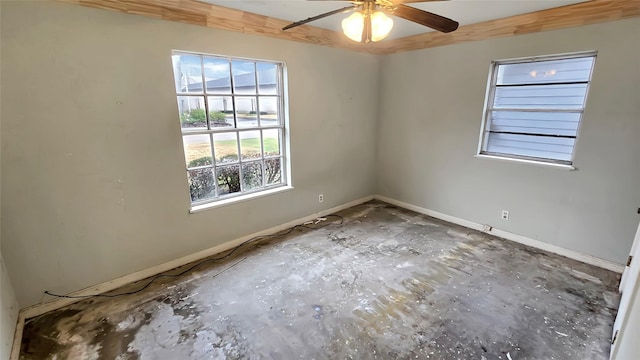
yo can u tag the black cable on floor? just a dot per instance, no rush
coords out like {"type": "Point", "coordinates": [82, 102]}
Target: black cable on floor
{"type": "Point", "coordinates": [230, 252]}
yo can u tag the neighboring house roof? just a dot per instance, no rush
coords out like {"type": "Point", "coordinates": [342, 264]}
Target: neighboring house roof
{"type": "Point", "coordinates": [265, 78]}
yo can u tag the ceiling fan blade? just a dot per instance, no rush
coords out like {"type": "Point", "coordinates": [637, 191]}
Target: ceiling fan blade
{"type": "Point", "coordinates": [317, 17]}
{"type": "Point", "coordinates": [425, 18]}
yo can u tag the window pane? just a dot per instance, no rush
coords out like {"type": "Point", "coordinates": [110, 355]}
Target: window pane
{"type": "Point", "coordinates": [226, 147]}
{"type": "Point", "coordinates": [532, 146]}
{"type": "Point", "coordinates": [549, 123]}
{"type": "Point", "coordinates": [268, 111]}
{"type": "Point", "coordinates": [541, 97]}
{"type": "Point", "coordinates": [197, 150]}
{"type": "Point", "coordinates": [271, 142]}
{"type": "Point", "coordinates": [224, 106]}
{"type": "Point", "coordinates": [217, 75]}
{"type": "Point", "coordinates": [267, 78]}
{"type": "Point", "coordinates": [251, 175]}
{"type": "Point", "coordinates": [273, 171]}
{"type": "Point", "coordinates": [567, 70]}
{"type": "Point", "coordinates": [201, 184]}
{"type": "Point", "coordinates": [246, 112]}
{"type": "Point", "coordinates": [244, 77]}
{"type": "Point", "coordinates": [228, 179]}
{"type": "Point", "coordinates": [250, 144]}
{"type": "Point", "coordinates": [220, 111]}
{"type": "Point", "coordinates": [187, 70]}
{"type": "Point", "coordinates": [192, 114]}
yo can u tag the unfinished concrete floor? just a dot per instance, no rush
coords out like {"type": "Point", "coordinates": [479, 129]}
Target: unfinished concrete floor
{"type": "Point", "coordinates": [387, 284]}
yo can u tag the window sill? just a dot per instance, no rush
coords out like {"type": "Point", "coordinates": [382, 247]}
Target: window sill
{"type": "Point", "coordinates": [532, 162]}
{"type": "Point", "coordinates": [238, 199]}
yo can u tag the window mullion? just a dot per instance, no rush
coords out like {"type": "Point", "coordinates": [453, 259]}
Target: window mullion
{"type": "Point", "coordinates": [213, 164]}
{"type": "Point", "coordinates": [239, 162]}
{"type": "Point", "coordinates": [543, 84]}
{"type": "Point", "coordinates": [538, 110]}
{"type": "Point", "coordinates": [190, 94]}
{"type": "Point", "coordinates": [204, 91]}
{"type": "Point", "coordinates": [206, 131]}
{"type": "Point", "coordinates": [533, 134]}
{"type": "Point", "coordinates": [233, 94]}
{"type": "Point", "coordinates": [255, 76]}
{"type": "Point", "coordinates": [262, 164]}
{"type": "Point", "coordinates": [486, 126]}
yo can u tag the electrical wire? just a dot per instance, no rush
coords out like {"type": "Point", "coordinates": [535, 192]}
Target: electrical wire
{"type": "Point", "coordinates": [230, 252]}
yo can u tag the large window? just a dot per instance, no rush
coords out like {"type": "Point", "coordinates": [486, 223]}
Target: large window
{"type": "Point", "coordinates": [231, 116]}
{"type": "Point", "coordinates": [534, 107]}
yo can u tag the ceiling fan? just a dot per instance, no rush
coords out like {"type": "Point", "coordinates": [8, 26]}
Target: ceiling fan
{"type": "Point", "coordinates": [370, 22]}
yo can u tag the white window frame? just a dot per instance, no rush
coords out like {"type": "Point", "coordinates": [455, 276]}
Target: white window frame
{"type": "Point", "coordinates": [282, 126]}
{"type": "Point", "coordinates": [490, 99]}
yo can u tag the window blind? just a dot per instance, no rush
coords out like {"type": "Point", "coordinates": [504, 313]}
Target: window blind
{"type": "Point", "coordinates": [534, 107]}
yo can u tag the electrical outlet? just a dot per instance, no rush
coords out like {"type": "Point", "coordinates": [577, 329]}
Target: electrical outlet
{"type": "Point", "coordinates": [486, 228]}
{"type": "Point", "coordinates": [505, 215]}
{"type": "Point", "coordinates": [320, 198]}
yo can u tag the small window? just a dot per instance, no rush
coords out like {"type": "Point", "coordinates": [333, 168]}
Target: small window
{"type": "Point", "coordinates": [534, 106]}
{"type": "Point", "coordinates": [231, 112]}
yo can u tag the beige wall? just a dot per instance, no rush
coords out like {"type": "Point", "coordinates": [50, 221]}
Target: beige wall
{"type": "Point", "coordinates": [9, 308]}
{"type": "Point", "coordinates": [93, 178]}
{"type": "Point", "coordinates": [430, 115]}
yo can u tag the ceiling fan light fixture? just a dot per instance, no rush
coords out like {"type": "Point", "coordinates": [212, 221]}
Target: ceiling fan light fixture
{"type": "Point", "coordinates": [353, 26]}
{"type": "Point", "coordinates": [381, 26]}
{"type": "Point", "coordinates": [367, 23]}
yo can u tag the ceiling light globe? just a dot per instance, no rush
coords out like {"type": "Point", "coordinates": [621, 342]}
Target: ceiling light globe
{"type": "Point", "coordinates": [381, 26]}
{"type": "Point", "coordinates": [353, 26]}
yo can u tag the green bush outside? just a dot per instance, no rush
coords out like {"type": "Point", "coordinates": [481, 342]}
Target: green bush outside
{"type": "Point", "coordinates": [197, 116]}
{"type": "Point", "coordinates": [206, 160]}
{"type": "Point", "coordinates": [217, 116]}
{"type": "Point", "coordinates": [202, 182]}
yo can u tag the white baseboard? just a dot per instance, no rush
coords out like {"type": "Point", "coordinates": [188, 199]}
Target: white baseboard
{"type": "Point", "coordinates": [42, 308]}
{"type": "Point", "coordinates": [588, 259]}
{"type": "Point", "coordinates": [39, 309]}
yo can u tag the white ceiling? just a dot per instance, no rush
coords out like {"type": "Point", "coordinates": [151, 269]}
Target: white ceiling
{"type": "Point", "coordinates": [464, 11]}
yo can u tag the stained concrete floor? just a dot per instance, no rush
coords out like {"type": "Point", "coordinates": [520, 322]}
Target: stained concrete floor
{"type": "Point", "coordinates": [388, 283]}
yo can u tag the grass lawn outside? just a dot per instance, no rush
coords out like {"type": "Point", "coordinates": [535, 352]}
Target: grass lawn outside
{"type": "Point", "coordinates": [223, 148]}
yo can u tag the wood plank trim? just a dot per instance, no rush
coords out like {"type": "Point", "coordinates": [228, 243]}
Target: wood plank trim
{"type": "Point", "coordinates": [219, 17]}
{"type": "Point", "coordinates": [587, 13]}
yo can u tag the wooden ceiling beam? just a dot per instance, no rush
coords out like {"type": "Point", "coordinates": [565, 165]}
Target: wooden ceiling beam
{"type": "Point", "coordinates": [219, 17]}
{"type": "Point", "coordinates": [586, 13]}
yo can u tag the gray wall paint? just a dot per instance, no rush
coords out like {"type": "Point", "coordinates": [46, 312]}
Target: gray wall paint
{"type": "Point", "coordinates": [9, 308]}
{"type": "Point", "coordinates": [93, 178]}
{"type": "Point", "coordinates": [430, 117]}
{"type": "Point", "coordinates": [92, 165]}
